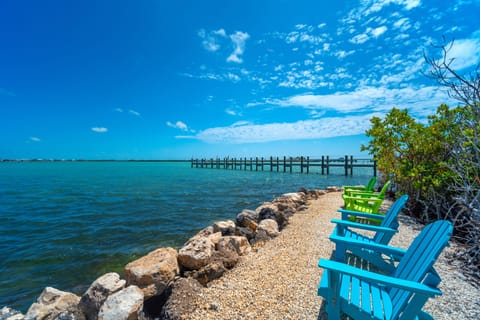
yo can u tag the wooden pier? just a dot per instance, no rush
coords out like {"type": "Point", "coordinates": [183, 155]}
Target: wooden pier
{"type": "Point", "coordinates": [321, 165]}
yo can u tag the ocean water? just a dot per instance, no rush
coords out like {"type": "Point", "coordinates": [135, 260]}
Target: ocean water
{"type": "Point", "coordinates": [63, 224]}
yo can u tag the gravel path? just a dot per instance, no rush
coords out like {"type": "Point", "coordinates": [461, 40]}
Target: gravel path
{"type": "Point", "coordinates": [280, 280]}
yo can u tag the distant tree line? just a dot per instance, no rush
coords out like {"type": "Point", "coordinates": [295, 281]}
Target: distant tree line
{"type": "Point", "coordinates": [438, 163]}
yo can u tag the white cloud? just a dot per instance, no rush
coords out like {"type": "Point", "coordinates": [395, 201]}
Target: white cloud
{"type": "Point", "coordinates": [360, 38]}
{"type": "Point", "coordinates": [99, 129]}
{"type": "Point", "coordinates": [378, 5]}
{"type": "Point", "coordinates": [307, 129]}
{"type": "Point", "coordinates": [210, 40]}
{"type": "Point", "coordinates": [180, 125]}
{"type": "Point", "coordinates": [403, 24]}
{"type": "Point", "coordinates": [466, 53]}
{"type": "Point", "coordinates": [238, 38]}
{"type": "Point", "coordinates": [379, 31]}
{"type": "Point", "coordinates": [342, 53]}
{"type": "Point", "coordinates": [35, 139]}
{"type": "Point", "coordinates": [232, 112]}
{"type": "Point", "coordinates": [119, 109]}
{"type": "Point", "coordinates": [370, 32]}
{"type": "Point", "coordinates": [379, 99]}
{"type": "Point", "coordinates": [135, 113]}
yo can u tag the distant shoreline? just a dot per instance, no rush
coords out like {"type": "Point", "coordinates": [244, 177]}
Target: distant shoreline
{"type": "Point", "coordinates": [87, 160]}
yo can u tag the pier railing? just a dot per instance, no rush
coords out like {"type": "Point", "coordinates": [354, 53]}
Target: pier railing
{"type": "Point", "coordinates": [321, 165]}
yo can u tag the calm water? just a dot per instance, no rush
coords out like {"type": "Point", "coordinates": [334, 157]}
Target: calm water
{"type": "Point", "coordinates": [65, 224]}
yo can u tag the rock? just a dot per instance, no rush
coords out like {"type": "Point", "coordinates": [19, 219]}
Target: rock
{"type": "Point", "coordinates": [98, 292]}
{"type": "Point", "coordinates": [180, 304]}
{"type": "Point", "coordinates": [215, 237]}
{"type": "Point", "coordinates": [297, 197]}
{"type": "Point", "coordinates": [245, 232]}
{"type": "Point", "coordinates": [266, 211]}
{"type": "Point", "coordinates": [7, 313]}
{"type": "Point", "coordinates": [211, 271]}
{"type": "Point", "coordinates": [333, 189]}
{"type": "Point", "coordinates": [225, 227]}
{"type": "Point", "coordinates": [201, 234]}
{"type": "Point", "coordinates": [302, 208]}
{"type": "Point", "coordinates": [240, 245]}
{"type": "Point", "coordinates": [248, 219]}
{"type": "Point", "coordinates": [54, 303]}
{"type": "Point", "coordinates": [153, 273]}
{"type": "Point", "coordinates": [196, 254]}
{"type": "Point", "coordinates": [267, 229]}
{"type": "Point", "coordinates": [271, 211]}
{"type": "Point", "coordinates": [125, 304]}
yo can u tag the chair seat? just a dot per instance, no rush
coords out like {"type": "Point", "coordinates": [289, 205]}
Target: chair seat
{"type": "Point", "coordinates": [362, 296]}
{"type": "Point", "coordinates": [372, 301]}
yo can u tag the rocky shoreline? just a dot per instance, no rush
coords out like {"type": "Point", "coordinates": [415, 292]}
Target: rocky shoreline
{"type": "Point", "coordinates": [157, 285]}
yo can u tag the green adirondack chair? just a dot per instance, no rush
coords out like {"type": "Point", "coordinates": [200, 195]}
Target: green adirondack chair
{"type": "Point", "coordinates": [366, 201]}
{"type": "Point", "coordinates": [344, 231]}
{"type": "Point", "coordinates": [362, 294]}
{"type": "Point", "coordinates": [347, 190]}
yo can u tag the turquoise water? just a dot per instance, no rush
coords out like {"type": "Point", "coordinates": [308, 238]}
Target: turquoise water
{"type": "Point", "coordinates": [63, 224]}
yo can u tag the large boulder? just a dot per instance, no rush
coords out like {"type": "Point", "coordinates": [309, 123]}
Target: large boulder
{"type": "Point", "coordinates": [179, 305]}
{"type": "Point", "coordinates": [239, 245]}
{"type": "Point", "coordinates": [98, 292]}
{"type": "Point", "coordinates": [225, 227]}
{"type": "Point", "coordinates": [154, 272]}
{"type": "Point", "coordinates": [196, 254]}
{"type": "Point", "coordinates": [53, 304]}
{"type": "Point", "coordinates": [125, 304]}
{"type": "Point", "coordinates": [266, 230]}
{"type": "Point", "coordinates": [248, 219]}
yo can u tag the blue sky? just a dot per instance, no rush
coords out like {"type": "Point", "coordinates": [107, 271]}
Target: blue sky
{"type": "Point", "coordinates": [180, 79]}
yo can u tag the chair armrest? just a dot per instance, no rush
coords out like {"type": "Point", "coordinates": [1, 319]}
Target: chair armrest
{"type": "Point", "coordinates": [345, 212]}
{"type": "Point", "coordinates": [362, 226]}
{"type": "Point", "coordinates": [412, 286]}
{"type": "Point", "coordinates": [380, 248]}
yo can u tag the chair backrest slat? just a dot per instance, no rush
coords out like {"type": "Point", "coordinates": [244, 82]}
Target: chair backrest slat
{"type": "Point", "coordinates": [371, 184]}
{"type": "Point", "coordinates": [419, 260]}
{"type": "Point", "coordinates": [390, 220]}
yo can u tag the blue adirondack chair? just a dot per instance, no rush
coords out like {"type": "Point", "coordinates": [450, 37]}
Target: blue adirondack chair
{"type": "Point", "coordinates": [344, 230]}
{"type": "Point", "coordinates": [362, 294]}
{"type": "Point", "coordinates": [347, 190]}
{"type": "Point", "coordinates": [368, 202]}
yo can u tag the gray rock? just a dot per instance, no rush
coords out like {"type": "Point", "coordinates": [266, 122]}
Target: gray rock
{"type": "Point", "coordinates": [271, 211]}
{"type": "Point", "coordinates": [247, 219]}
{"type": "Point", "coordinates": [97, 293]}
{"type": "Point", "coordinates": [225, 227]}
{"type": "Point", "coordinates": [239, 245]}
{"type": "Point", "coordinates": [125, 304]}
{"type": "Point", "coordinates": [245, 232]}
{"type": "Point", "coordinates": [154, 272]}
{"type": "Point", "coordinates": [266, 230]}
{"type": "Point", "coordinates": [53, 303]}
{"type": "Point", "coordinates": [196, 254]}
